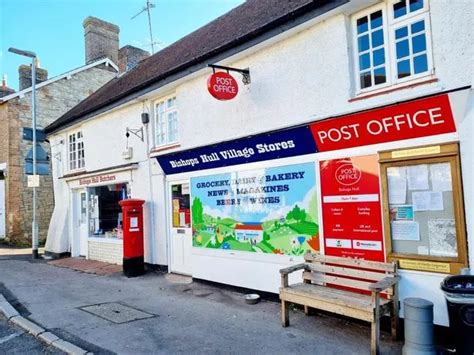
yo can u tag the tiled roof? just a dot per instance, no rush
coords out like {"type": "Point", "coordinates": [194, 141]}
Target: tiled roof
{"type": "Point", "coordinates": [236, 27]}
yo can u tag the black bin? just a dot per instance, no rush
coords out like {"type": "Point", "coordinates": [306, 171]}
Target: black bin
{"type": "Point", "coordinates": [459, 293]}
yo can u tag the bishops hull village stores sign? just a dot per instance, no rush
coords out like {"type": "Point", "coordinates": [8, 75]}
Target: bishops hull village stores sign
{"type": "Point", "coordinates": [360, 188]}
{"type": "Point", "coordinates": [419, 118]}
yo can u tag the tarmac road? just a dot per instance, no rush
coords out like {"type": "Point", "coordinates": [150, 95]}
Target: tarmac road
{"type": "Point", "coordinates": [14, 340]}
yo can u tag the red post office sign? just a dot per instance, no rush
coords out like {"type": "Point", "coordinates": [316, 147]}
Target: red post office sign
{"type": "Point", "coordinates": [413, 119]}
{"type": "Point", "coordinates": [352, 215]}
{"type": "Point", "coordinates": [222, 86]}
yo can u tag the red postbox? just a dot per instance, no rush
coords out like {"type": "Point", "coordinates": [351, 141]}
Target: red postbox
{"type": "Point", "coordinates": [133, 261]}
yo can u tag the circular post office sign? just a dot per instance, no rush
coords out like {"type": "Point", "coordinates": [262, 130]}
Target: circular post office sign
{"type": "Point", "coordinates": [222, 86]}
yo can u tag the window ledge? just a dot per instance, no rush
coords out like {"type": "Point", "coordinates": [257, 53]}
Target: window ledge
{"type": "Point", "coordinates": [388, 90]}
{"type": "Point", "coordinates": [165, 147]}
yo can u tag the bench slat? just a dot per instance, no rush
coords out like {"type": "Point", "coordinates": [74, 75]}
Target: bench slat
{"type": "Point", "coordinates": [340, 281]}
{"type": "Point", "coordinates": [344, 302]}
{"type": "Point", "coordinates": [344, 271]}
{"type": "Point", "coordinates": [364, 264]}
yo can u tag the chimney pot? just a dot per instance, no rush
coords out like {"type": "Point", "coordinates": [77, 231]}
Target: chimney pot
{"type": "Point", "coordinates": [4, 89]}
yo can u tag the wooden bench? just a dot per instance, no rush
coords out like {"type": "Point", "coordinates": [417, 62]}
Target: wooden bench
{"type": "Point", "coordinates": [334, 284]}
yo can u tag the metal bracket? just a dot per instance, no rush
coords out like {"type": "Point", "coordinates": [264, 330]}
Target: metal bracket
{"type": "Point", "coordinates": [244, 72]}
{"type": "Point", "coordinates": [136, 132]}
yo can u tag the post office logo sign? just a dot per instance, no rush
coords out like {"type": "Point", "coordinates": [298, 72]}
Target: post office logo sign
{"type": "Point", "coordinates": [348, 174]}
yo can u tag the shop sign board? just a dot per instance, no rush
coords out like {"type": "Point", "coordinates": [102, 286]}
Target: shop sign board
{"type": "Point", "coordinates": [222, 86]}
{"type": "Point", "coordinates": [420, 118]}
{"type": "Point", "coordinates": [97, 179]}
{"type": "Point", "coordinates": [407, 120]}
{"type": "Point", "coordinates": [281, 144]}
{"type": "Point", "coordinates": [272, 210]}
{"type": "Point", "coordinates": [352, 215]}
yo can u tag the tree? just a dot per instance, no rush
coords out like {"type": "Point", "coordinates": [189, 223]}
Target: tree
{"type": "Point", "coordinates": [197, 211]}
{"type": "Point", "coordinates": [298, 214]}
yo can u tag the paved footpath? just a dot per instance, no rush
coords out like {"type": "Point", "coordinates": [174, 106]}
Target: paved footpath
{"type": "Point", "coordinates": [102, 314]}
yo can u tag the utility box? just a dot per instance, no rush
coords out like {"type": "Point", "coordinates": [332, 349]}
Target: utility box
{"type": "Point", "coordinates": [133, 251]}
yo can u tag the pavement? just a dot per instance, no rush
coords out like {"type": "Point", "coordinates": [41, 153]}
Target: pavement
{"type": "Point", "coordinates": [163, 313]}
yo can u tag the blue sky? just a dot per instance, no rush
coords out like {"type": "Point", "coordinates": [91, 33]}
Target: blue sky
{"type": "Point", "coordinates": [53, 28]}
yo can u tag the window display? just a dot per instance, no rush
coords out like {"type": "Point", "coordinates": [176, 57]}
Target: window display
{"type": "Point", "coordinates": [105, 214]}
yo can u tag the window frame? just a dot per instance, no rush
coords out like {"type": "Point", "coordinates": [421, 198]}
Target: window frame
{"type": "Point", "coordinates": [390, 24]}
{"type": "Point", "coordinates": [79, 162]}
{"type": "Point", "coordinates": [448, 153]}
{"type": "Point", "coordinates": [156, 122]}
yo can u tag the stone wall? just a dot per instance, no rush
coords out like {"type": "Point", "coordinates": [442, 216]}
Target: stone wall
{"type": "Point", "coordinates": [53, 100]}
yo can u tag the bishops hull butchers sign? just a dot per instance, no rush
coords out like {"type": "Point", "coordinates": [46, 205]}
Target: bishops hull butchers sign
{"type": "Point", "coordinates": [413, 119]}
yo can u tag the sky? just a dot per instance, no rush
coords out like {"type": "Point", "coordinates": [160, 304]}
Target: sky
{"type": "Point", "coordinates": [53, 28]}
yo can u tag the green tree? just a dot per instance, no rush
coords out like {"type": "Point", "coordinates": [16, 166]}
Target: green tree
{"type": "Point", "coordinates": [197, 211]}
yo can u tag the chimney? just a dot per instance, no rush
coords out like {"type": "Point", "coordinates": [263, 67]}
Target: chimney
{"type": "Point", "coordinates": [4, 89]}
{"type": "Point", "coordinates": [101, 40]}
{"type": "Point", "coordinates": [129, 56]}
{"type": "Point", "coordinates": [24, 73]}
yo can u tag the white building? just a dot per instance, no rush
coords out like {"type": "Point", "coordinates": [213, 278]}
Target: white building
{"type": "Point", "coordinates": [370, 81]}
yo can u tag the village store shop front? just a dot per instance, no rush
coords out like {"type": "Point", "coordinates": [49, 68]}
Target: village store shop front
{"type": "Point", "coordinates": [383, 184]}
{"type": "Point", "coordinates": [96, 218]}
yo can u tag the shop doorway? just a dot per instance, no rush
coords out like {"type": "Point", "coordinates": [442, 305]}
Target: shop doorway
{"type": "Point", "coordinates": [80, 223]}
{"type": "Point", "coordinates": [181, 233]}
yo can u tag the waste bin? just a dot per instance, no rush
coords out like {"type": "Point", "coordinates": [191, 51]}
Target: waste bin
{"type": "Point", "coordinates": [459, 293]}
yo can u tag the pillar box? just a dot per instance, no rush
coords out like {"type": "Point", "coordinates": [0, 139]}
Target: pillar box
{"type": "Point", "coordinates": [133, 261]}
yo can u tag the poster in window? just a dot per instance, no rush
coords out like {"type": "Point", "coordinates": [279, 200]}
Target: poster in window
{"type": "Point", "coordinates": [352, 216]}
{"type": "Point", "coordinates": [269, 210]}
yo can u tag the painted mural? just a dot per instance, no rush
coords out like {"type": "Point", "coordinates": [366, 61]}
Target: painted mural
{"type": "Point", "coordinates": [271, 210]}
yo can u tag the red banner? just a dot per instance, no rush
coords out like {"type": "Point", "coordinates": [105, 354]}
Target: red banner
{"type": "Point", "coordinates": [352, 216]}
{"type": "Point", "coordinates": [419, 118]}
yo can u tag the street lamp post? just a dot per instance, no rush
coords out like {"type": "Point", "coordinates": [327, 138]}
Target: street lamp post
{"type": "Point", "coordinates": [34, 227]}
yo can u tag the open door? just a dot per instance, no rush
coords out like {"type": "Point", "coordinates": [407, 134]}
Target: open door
{"type": "Point", "coordinates": [181, 233]}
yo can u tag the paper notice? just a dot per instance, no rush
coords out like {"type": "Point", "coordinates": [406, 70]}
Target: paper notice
{"type": "Point", "coordinates": [441, 177]}
{"type": "Point", "coordinates": [428, 201]}
{"type": "Point", "coordinates": [397, 185]}
{"type": "Point", "coordinates": [405, 230]}
{"type": "Point", "coordinates": [442, 236]}
{"type": "Point", "coordinates": [418, 177]}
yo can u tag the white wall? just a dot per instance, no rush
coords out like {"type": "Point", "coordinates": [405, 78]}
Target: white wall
{"type": "Point", "coordinates": [305, 77]}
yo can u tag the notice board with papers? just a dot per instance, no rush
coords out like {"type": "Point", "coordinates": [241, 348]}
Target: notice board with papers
{"type": "Point", "coordinates": [423, 206]}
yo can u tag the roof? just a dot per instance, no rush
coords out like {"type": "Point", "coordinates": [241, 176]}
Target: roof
{"type": "Point", "coordinates": [237, 27]}
{"type": "Point", "coordinates": [105, 61]}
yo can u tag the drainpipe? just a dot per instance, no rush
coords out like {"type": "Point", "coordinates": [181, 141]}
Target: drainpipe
{"type": "Point", "coordinates": [150, 187]}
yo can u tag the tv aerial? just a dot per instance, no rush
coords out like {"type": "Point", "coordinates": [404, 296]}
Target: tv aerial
{"type": "Point", "coordinates": [147, 8]}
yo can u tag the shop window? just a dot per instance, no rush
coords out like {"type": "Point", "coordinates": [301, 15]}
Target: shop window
{"type": "Point", "coordinates": [166, 121]}
{"type": "Point", "coordinates": [391, 44]}
{"type": "Point", "coordinates": [423, 208]}
{"type": "Point", "coordinates": [76, 151]}
{"type": "Point", "coordinates": [105, 212]}
{"type": "Point", "coordinates": [181, 210]}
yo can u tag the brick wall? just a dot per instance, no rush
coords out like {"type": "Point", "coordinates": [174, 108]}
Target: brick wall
{"type": "Point", "coordinates": [107, 251]}
{"type": "Point", "coordinates": [53, 101]}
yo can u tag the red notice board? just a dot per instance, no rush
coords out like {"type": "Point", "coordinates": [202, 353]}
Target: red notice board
{"type": "Point", "coordinates": [352, 215]}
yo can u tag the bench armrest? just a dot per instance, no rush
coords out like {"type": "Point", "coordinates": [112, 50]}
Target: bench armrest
{"type": "Point", "coordinates": [290, 269]}
{"type": "Point", "coordinates": [384, 283]}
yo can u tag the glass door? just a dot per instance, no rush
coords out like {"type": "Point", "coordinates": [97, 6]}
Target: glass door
{"type": "Point", "coordinates": [181, 233]}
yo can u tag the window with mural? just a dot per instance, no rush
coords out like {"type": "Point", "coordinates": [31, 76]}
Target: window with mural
{"type": "Point", "coordinates": [423, 208]}
{"type": "Point", "coordinates": [391, 43]}
{"type": "Point", "coordinates": [166, 121]}
{"type": "Point", "coordinates": [76, 151]}
{"type": "Point", "coordinates": [269, 210]}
